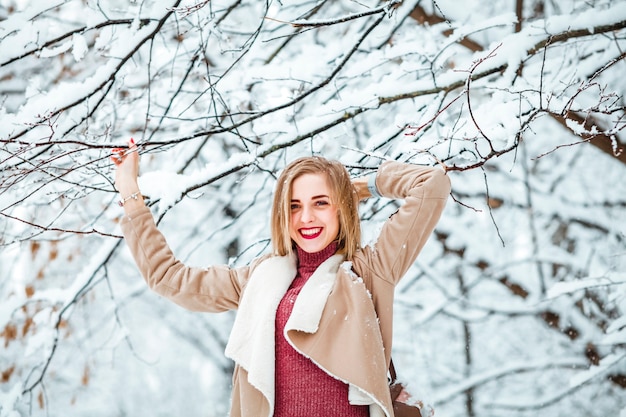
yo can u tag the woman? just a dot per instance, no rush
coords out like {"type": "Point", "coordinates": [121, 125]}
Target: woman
{"type": "Point", "coordinates": [313, 330]}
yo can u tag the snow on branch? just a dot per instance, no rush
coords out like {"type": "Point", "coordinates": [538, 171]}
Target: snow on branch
{"type": "Point", "coordinates": [503, 371]}
{"type": "Point", "coordinates": [562, 288]}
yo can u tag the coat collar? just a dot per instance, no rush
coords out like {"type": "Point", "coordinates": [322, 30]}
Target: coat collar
{"type": "Point", "coordinates": [310, 303]}
{"type": "Point", "coordinates": [251, 341]}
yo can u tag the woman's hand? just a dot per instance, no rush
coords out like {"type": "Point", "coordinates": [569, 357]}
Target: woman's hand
{"type": "Point", "coordinates": [126, 161]}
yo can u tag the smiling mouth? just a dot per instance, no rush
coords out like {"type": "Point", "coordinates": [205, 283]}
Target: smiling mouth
{"type": "Point", "coordinates": [311, 233]}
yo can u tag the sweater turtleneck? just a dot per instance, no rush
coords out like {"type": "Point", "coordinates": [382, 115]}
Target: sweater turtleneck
{"type": "Point", "coordinates": [309, 262]}
{"type": "Point", "coordinates": [302, 388]}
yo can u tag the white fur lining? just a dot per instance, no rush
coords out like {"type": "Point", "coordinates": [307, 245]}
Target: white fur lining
{"type": "Point", "coordinates": [251, 341]}
{"type": "Point", "coordinates": [357, 396]}
{"type": "Point", "coordinates": [308, 308]}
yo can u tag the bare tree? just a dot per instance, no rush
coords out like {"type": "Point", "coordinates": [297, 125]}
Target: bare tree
{"type": "Point", "coordinates": [516, 307]}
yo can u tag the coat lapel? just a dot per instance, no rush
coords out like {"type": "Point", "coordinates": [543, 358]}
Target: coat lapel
{"type": "Point", "coordinates": [309, 305]}
{"type": "Point", "coordinates": [251, 341]}
{"type": "Point", "coordinates": [307, 313]}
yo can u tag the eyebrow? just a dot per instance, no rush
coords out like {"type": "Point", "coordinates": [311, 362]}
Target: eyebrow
{"type": "Point", "coordinates": [315, 197]}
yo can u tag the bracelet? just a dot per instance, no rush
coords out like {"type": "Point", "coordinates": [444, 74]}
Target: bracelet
{"type": "Point", "coordinates": [133, 196]}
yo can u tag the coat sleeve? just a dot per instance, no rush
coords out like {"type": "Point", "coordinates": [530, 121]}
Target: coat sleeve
{"type": "Point", "coordinates": [212, 289]}
{"type": "Point", "coordinates": [425, 191]}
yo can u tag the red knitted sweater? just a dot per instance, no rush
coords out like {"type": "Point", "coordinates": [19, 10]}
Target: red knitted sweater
{"type": "Point", "coordinates": [302, 388]}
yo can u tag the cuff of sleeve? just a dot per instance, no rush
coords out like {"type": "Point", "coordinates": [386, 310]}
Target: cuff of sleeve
{"type": "Point", "coordinates": [127, 218]}
{"type": "Point", "coordinates": [371, 186]}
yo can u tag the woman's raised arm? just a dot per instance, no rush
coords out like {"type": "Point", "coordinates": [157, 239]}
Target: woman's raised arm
{"type": "Point", "coordinates": [126, 161]}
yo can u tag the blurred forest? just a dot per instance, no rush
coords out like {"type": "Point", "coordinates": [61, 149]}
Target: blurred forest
{"type": "Point", "coordinates": [515, 308]}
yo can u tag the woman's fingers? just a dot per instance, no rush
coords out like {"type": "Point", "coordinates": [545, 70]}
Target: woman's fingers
{"type": "Point", "coordinates": [119, 154]}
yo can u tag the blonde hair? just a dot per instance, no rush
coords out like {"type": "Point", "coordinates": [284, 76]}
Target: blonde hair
{"type": "Point", "coordinates": [343, 195]}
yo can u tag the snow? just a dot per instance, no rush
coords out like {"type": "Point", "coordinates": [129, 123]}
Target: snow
{"type": "Point", "coordinates": [169, 187]}
{"type": "Point", "coordinates": [8, 400]}
{"type": "Point", "coordinates": [610, 278]}
{"type": "Point", "coordinates": [79, 47]}
{"type": "Point", "coordinates": [605, 364]}
{"type": "Point", "coordinates": [220, 100]}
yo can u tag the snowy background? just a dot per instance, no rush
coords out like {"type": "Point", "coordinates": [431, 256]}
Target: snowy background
{"type": "Point", "coordinates": [515, 308]}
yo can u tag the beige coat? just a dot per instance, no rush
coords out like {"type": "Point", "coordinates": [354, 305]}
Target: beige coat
{"type": "Point", "coordinates": [336, 322]}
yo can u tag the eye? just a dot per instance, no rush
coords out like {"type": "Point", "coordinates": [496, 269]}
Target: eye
{"type": "Point", "coordinates": [322, 203]}
{"type": "Point", "coordinates": [294, 206]}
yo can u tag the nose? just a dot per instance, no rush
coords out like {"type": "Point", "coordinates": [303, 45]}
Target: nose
{"type": "Point", "coordinates": [307, 215]}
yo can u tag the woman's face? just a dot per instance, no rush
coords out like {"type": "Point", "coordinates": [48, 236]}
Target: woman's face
{"type": "Point", "coordinates": [314, 221]}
